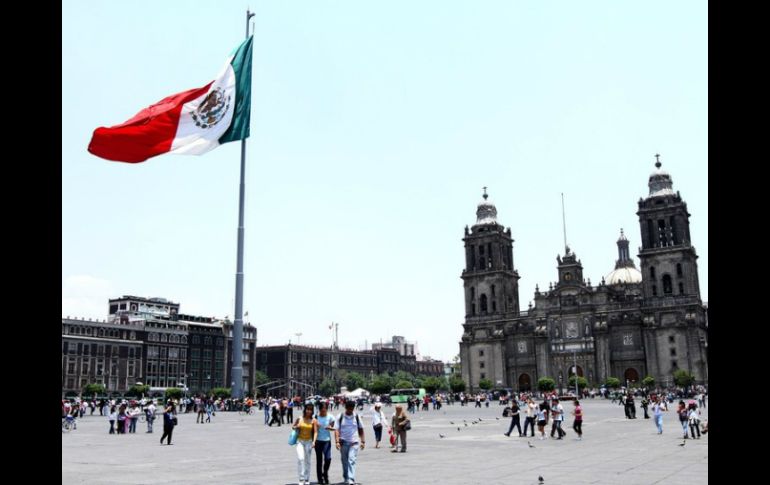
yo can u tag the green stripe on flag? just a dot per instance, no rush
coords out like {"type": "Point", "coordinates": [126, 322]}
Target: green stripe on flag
{"type": "Point", "coordinates": [239, 127]}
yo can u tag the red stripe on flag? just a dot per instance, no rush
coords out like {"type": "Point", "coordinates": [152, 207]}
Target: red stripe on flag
{"type": "Point", "coordinates": [147, 134]}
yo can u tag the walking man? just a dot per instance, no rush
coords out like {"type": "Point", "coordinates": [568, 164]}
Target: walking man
{"type": "Point", "coordinates": [349, 433]}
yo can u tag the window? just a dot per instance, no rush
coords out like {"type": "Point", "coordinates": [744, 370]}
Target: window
{"type": "Point", "coordinates": [70, 365]}
{"type": "Point", "coordinates": [667, 290]}
{"type": "Point", "coordinates": [673, 352]}
{"type": "Point", "coordinates": [207, 341]}
{"type": "Point", "coordinates": [130, 368]}
{"type": "Point", "coordinates": [671, 339]}
{"type": "Point", "coordinates": [164, 337]}
{"type": "Point", "coordinates": [494, 306]}
{"type": "Point", "coordinates": [654, 290]}
{"type": "Point", "coordinates": [481, 353]}
{"type": "Point", "coordinates": [163, 352]}
{"type": "Point", "coordinates": [99, 368]}
{"type": "Point", "coordinates": [483, 303]}
{"type": "Point", "coordinates": [481, 365]}
{"type": "Point", "coordinates": [183, 354]}
{"type": "Point", "coordinates": [652, 272]}
{"type": "Point", "coordinates": [196, 339]}
{"type": "Point", "coordinates": [678, 269]}
{"type": "Point", "coordinates": [473, 308]}
{"type": "Point", "coordinates": [493, 290]}
{"type": "Point", "coordinates": [473, 293]}
{"type": "Point", "coordinates": [483, 376]}
{"type": "Point", "coordinates": [681, 288]}
{"type": "Point", "coordinates": [86, 349]}
{"type": "Point", "coordinates": [628, 339]}
{"type": "Point", "coordinates": [195, 354]}
{"type": "Point", "coordinates": [173, 353]}
{"type": "Point", "coordinates": [674, 365]}
{"type": "Point", "coordinates": [84, 367]}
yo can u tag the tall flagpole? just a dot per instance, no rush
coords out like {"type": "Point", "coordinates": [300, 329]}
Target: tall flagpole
{"type": "Point", "coordinates": [237, 370]}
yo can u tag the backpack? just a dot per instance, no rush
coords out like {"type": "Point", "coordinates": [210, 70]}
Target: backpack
{"type": "Point", "coordinates": [339, 422]}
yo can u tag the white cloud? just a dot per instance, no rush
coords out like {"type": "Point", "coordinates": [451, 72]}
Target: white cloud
{"type": "Point", "coordinates": [85, 296]}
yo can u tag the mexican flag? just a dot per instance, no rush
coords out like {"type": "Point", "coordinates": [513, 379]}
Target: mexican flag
{"type": "Point", "coordinates": [189, 123]}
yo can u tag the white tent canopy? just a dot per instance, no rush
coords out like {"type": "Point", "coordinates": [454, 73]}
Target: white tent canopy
{"type": "Point", "coordinates": [357, 393]}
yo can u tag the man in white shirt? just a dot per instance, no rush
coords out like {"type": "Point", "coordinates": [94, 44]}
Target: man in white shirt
{"type": "Point", "coordinates": [150, 412]}
{"type": "Point", "coordinates": [349, 432]}
{"type": "Point", "coordinates": [557, 412]}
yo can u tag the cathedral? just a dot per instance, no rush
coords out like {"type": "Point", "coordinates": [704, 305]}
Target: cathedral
{"type": "Point", "coordinates": [634, 323]}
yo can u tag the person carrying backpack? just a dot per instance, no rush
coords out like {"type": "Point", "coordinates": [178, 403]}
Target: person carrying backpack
{"type": "Point", "coordinates": [350, 439]}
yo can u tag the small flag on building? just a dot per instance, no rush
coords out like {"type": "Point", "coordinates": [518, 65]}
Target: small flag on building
{"type": "Point", "coordinates": [192, 122]}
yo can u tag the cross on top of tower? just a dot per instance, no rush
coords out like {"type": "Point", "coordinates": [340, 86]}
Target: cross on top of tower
{"type": "Point", "coordinates": [657, 160]}
{"type": "Point", "coordinates": [485, 193]}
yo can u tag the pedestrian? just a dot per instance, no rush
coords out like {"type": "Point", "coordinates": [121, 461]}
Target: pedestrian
{"type": "Point", "coordinates": [645, 403]}
{"type": "Point", "coordinates": [349, 439]}
{"type": "Point", "coordinates": [169, 421]}
{"type": "Point", "coordinates": [112, 416]}
{"type": "Point", "coordinates": [515, 418]}
{"type": "Point", "coordinates": [399, 423]}
{"type": "Point", "coordinates": [150, 415]}
{"type": "Point", "coordinates": [122, 427]}
{"type": "Point", "coordinates": [684, 417]}
{"type": "Point", "coordinates": [557, 412]}
{"type": "Point", "coordinates": [266, 410]}
{"type": "Point", "coordinates": [378, 418]}
{"type": "Point", "coordinates": [276, 414]}
{"type": "Point", "coordinates": [200, 408]}
{"type": "Point", "coordinates": [323, 443]}
{"type": "Point", "coordinates": [577, 425]}
{"type": "Point", "coordinates": [542, 419]}
{"type": "Point", "coordinates": [694, 419]}
{"type": "Point", "coordinates": [307, 428]}
{"type": "Point", "coordinates": [531, 413]}
{"type": "Point", "coordinates": [657, 413]}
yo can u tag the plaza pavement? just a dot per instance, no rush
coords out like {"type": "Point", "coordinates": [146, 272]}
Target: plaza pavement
{"type": "Point", "coordinates": [237, 449]}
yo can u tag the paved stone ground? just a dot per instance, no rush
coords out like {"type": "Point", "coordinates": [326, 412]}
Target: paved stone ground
{"type": "Point", "coordinates": [241, 450]}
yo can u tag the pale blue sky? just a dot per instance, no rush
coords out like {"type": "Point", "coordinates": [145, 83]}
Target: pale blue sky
{"type": "Point", "coordinates": [374, 127]}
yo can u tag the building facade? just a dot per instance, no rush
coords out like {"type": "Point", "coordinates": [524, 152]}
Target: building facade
{"type": "Point", "coordinates": [636, 322]}
{"type": "Point", "coordinates": [147, 340]}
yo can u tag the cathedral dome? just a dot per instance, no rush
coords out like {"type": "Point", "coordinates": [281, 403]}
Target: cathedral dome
{"type": "Point", "coordinates": [486, 212]}
{"type": "Point", "coordinates": [627, 274]}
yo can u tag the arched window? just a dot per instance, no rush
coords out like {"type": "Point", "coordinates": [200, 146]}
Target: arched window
{"type": "Point", "coordinates": [652, 272]}
{"type": "Point", "coordinates": [493, 291]}
{"type": "Point", "coordinates": [678, 269]}
{"type": "Point", "coordinates": [654, 290]}
{"type": "Point", "coordinates": [667, 290]}
{"type": "Point", "coordinates": [483, 303]}
{"type": "Point", "coordinates": [681, 288]}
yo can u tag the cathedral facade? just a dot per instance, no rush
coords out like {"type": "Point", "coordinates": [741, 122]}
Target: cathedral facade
{"type": "Point", "coordinates": [636, 322]}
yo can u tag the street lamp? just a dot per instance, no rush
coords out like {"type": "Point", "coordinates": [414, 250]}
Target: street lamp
{"type": "Point", "coordinates": [561, 378]}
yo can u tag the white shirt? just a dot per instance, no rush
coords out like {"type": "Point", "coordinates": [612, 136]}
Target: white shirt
{"type": "Point", "coordinates": [377, 417]}
{"type": "Point", "coordinates": [347, 427]}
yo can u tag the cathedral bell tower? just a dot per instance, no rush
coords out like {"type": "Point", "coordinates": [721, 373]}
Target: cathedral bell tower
{"type": "Point", "coordinates": [490, 280]}
{"type": "Point", "coordinates": [668, 259]}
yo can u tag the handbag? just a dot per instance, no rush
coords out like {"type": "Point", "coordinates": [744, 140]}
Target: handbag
{"type": "Point", "coordinates": [392, 438]}
{"type": "Point", "coordinates": [408, 425]}
{"type": "Point", "coordinates": [176, 421]}
{"type": "Point", "coordinates": [293, 437]}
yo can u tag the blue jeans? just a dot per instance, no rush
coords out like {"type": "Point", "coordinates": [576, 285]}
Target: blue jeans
{"type": "Point", "coordinates": [349, 453]}
{"type": "Point", "coordinates": [659, 423]}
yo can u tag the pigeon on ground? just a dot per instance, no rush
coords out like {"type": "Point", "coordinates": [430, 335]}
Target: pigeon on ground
{"type": "Point", "coordinates": [451, 422]}
{"type": "Point", "coordinates": [683, 442]}
{"type": "Point", "coordinates": [497, 418]}
{"type": "Point", "coordinates": [466, 425]}
{"type": "Point", "coordinates": [530, 444]}
{"type": "Point", "coordinates": [540, 479]}
{"type": "Point", "coordinates": [458, 428]}
{"type": "Point", "coordinates": [441, 435]}
{"type": "Point", "coordinates": [481, 419]}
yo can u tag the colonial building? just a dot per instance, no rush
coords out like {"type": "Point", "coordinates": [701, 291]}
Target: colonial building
{"type": "Point", "coordinates": [146, 340]}
{"type": "Point", "coordinates": [632, 324]}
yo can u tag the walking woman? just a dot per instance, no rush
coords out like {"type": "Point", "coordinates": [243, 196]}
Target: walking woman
{"type": "Point", "coordinates": [531, 414]}
{"type": "Point", "coordinates": [399, 423]}
{"type": "Point", "coordinates": [684, 417]}
{"type": "Point", "coordinates": [542, 419]}
{"type": "Point", "coordinates": [657, 413]}
{"type": "Point", "coordinates": [694, 419]}
{"type": "Point", "coordinates": [378, 417]}
{"type": "Point", "coordinates": [112, 417]}
{"type": "Point", "coordinates": [577, 425]}
{"type": "Point", "coordinates": [169, 421]}
{"type": "Point", "coordinates": [307, 428]}
{"type": "Point", "coordinates": [323, 443]}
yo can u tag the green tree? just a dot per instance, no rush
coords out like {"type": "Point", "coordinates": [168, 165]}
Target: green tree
{"type": "Point", "coordinates": [174, 393]}
{"type": "Point", "coordinates": [260, 378]}
{"type": "Point", "coordinates": [648, 382]}
{"type": "Point", "coordinates": [223, 392]}
{"type": "Point", "coordinates": [682, 378]}
{"type": "Point", "coordinates": [328, 387]}
{"type": "Point", "coordinates": [354, 380]}
{"type": "Point", "coordinates": [612, 382]}
{"type": "Point", "coordinates": [94, 389]}
{"type": "Point", "coordinates": [404, 376]}
{"type": "Point", "coordinates": [582, 382]}
{"type": "Point", "coordinates": [485, 384]}
{"type": "Point", "coordinates": [138, 390]}
{"type": "Point", "coordinates": [404, 385]}
{"type": "Point", "coordinates": [443, 383]}
{"type": "Point", "coordinates": [457, 384]}
{"type": "Point", "coordinates": [545, 384]}
{"type": "Point", "coordinates": [431, 384]}
{"type": "Point", "coordinates": [381, 384]}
